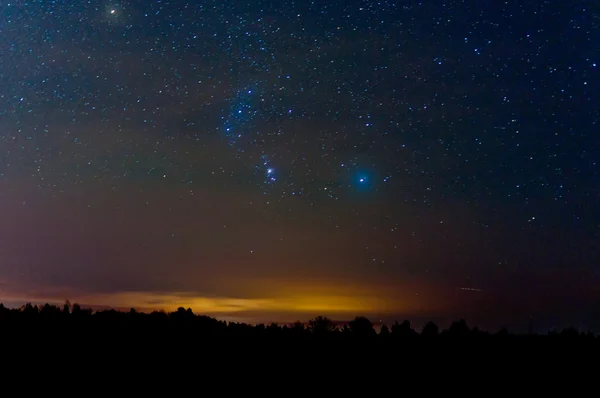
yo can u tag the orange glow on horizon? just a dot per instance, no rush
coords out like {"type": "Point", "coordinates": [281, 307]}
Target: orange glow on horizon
{"type": "Point", "coordinates": [260, 299]}
{"type": "Point", "coordinates": [287, 301]}
{"type": "Point", "coordinates": [209, 305]}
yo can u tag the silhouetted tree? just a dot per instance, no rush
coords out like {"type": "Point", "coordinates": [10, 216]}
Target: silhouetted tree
{"type": "Point", "coordinates": [274, 330]}
{"type": "Point", "coordinates": [321, 326]}
{"type": "Point", "coordinates": [403, 329]}
{"type": "Point", "coordinates": [298, 329]}
{"type": "Point", "coordinates": [361, 326]}
{"type": "Point", "coordinates": [459, 329]}
{"type": "Point", "coordinates": [182, 315]}
{"type": "Point", "coordinates": [385, 331]}
{"type": "Point", "coordinates": [50, 313]}
{"type": "Point", "coordinates": [182, 326]}
{"type": "Point", "coordinates": [430, 330]}
{"type": "Point", "coordinates": [30, 312]}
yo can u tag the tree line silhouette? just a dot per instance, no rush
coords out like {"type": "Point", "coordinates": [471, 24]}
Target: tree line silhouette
{"type": "Point", "coordinates": [184, 321]}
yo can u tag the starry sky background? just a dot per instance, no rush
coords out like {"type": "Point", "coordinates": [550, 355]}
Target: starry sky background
{"type": "Point", "coordinates": [276, 160]}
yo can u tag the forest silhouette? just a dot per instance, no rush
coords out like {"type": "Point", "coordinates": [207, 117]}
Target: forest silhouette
{"type": "Point", "coordinates": [184, 322]}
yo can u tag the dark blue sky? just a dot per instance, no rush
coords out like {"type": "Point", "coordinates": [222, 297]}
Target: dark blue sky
{"type": "Point", "coordinates": [224, 148]}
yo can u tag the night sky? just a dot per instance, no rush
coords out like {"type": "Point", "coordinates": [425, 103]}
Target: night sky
{"type": "Point", "coordinates": [277, 160]}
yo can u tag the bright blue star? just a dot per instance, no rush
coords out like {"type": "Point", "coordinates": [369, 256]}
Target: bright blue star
{"type": "Point", "coordinates": [362, 180]}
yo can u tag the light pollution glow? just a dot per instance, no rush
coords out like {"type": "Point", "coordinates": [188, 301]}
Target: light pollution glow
{"type": "Point", "coordinates": [287, 302]}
